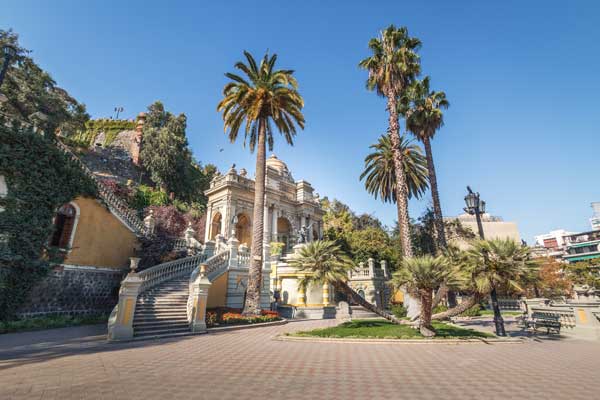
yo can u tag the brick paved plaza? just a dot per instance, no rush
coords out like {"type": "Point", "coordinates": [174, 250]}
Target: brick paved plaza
{"type": "Point", "coordinates": [77, 363]}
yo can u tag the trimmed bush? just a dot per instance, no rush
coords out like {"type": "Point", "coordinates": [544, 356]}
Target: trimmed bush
{"type": "Point", "coordinates": [399, 311]}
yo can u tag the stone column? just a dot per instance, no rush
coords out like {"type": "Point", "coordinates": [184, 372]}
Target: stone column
{"type": "Point", "coordinates": [150, 223]}
{"type": "Point", "coordinates": [325, 294]}
{"type": "Point", "coordinates": [233, 245]}
{"type": "Point", "coordinates": [385, 269]}
{"type": "Point", "coordinates": [301, 296]}
{"type": "Point", "coordinates": [266, 225]}
{"type": "Point", "coordinates": [207, 231]}
{"type": "Point", "coordinates": [371, 264]}
{"type": "Point", "coordinates": [120, 324]}
{"type": "Point", "coordinates": [320, 230]}
{"type": "Point", "coordinates": [199, 293]}
{"type": "Point", "coordinates": [274, 225]}
{"type": "Point", "coordinates": [302, 220]}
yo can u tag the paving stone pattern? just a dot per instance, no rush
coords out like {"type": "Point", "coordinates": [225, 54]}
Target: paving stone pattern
{"type": "Point", "coordinates": [76, 363]}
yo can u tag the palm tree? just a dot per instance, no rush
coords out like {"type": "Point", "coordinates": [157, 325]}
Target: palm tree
{"type": "Point", "coordinates": [421, 276]}
{"type": "Point", "coordinates": [492, 264]}
{"type": "Point", "coordinates": [324, 262]}
{"type": "Point", "coordinates": [264, 97]}
{"type": "Point", "coordinates": [392, 65]}
{"type": "Point", "coordinates": [422, 109]}
{"type": "Point", "coordinates": [379, 169]}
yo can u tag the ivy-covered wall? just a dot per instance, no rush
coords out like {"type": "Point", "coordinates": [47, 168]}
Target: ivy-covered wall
{"type": "Point", "coordinates": [110, 127]}
{"type": "Point", "coordinates": [40, 178]}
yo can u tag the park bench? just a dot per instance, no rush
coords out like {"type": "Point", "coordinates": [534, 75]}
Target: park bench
{"type": "Point", "coordinates": [551, 322]}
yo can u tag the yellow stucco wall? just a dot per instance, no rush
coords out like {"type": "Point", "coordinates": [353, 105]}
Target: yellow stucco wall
{"type": "Point", "coordinates": [100, 238]}
{"type": "Point", "coordinates": [217, 293]}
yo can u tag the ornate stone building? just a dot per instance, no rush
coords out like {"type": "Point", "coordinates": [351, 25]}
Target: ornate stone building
{"type": "Point", "coordinates": [291, 207]}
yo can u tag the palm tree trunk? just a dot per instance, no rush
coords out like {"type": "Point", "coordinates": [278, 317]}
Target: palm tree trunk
{"type": "Point", "coordinates": [401, 192]}
{"type": "Point", "coordinates": [459, 309]}
{"type": "Point", "coordinates": [356, 298]}
{"type": "Point", "coordinates": [425, 319]}
{"type": "Point", "coordinates": [435, 195]}
{"type": "Point", "coordinates": [401, 188]}
{"type": "Point", "coordinates": [437, 211]}
{"type": "Point", "coordinates": [252, 306]}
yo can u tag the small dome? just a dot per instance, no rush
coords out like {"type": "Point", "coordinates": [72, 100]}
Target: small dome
{"type": "Point", "coordinates": [276, 164]}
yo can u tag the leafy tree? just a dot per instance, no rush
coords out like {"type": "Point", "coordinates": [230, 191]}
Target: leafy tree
{"type": "Point", "coordinates": [34, 97]}
{"type": "Point", "coordinates": [421, 276]}
{"type": "Point", "coordinates": [584, 273]}
{"type": "Point", "coordinates": [325, 263]}
{"type": "Point", "coordinates": [264, 97]}
{"type": "Point", "coordinates": [379, 175]}
{"type": "Point", "coordinates": [164, 153]}
{"type": "Point", "coordinates": [392, 65]}
{"type": "Point", "coordinates": [422, 109]}
{"type": "Point", "coordinates": [361, 236]}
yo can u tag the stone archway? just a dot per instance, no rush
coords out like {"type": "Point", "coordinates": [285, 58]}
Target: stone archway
{"type": "Point", "coordinates": [215, 226]}
{"type": "Point", "coordinates": [243, 229]}
{"type": "Point", "coordinates": [285, 233]}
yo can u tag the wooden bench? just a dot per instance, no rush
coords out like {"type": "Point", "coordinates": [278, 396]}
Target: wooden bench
{"type": "Point", "coordinates": [549, 321]}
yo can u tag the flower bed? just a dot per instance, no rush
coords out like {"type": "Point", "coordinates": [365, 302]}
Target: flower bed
{"type": "Point", "coordinates": [231, 316]}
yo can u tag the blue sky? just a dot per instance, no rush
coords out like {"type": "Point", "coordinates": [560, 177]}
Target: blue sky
{"type": "Point", "coordinates": [522, 80]}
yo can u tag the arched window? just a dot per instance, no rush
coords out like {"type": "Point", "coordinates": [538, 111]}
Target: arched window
{"type": "Point", "coordinates": [215, 226]}
{"type": "Point", "coordinates": [64, 226]}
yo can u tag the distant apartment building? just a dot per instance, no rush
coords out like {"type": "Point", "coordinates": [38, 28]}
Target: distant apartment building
{"type": "Point", "coordinates": [595, 220]}
{"type": "Point", "coordinates": [582, 246]}
{"type": "Point", "coordinates": [551, 244]}
{"type": "Point", "coordinates": [494, 227]}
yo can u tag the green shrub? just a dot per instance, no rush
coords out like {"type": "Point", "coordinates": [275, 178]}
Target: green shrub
{"type": "Point", "coordinates": [147, 196]}
{"type": "Point", "coordinates": [439, 308]}
{"type": "Point", "coordinates": [276, 248]}
{"type": "Point", "coordinates": [472, 312]}
{"type": "Point", "coordinates": [399, 311]}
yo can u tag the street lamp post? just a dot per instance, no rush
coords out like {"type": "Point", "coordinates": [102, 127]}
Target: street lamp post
{"type": "Point", "coordinates": [9, 53]}
{"type": "Point", "coordinates": [476, 206]}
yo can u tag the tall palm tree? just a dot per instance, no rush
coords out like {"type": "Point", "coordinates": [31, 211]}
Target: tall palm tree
{"type": "Point", "coordinates": [392, 65]}
{"type": "Point", "coordinates": [324, 262]}
{"type": "Point", "coordinates": [422, 109]}
{"type": "Point", "coordinates": [379, 169]}
{"type": "Point", "coordinates": [421, 276]}
{"type": "Point", "coordinates": [264, 97]}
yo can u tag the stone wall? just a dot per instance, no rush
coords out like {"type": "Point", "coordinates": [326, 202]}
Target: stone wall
{"type": "Point", "coordinates": [74, 290]}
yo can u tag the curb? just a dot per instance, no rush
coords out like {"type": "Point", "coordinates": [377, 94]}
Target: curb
{"type": "Point", "coordinates": [315, 339]}
{"type": "Point", "coordinates": [246, 326]}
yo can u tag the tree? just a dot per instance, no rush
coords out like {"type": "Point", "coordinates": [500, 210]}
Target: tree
{"type": "Point", "coordinates": [421, 276]}
{"type": "Point", "coordinates": [584, 273]}
{"type": "Point", "coordinates": [33, 97]}
{"type": "Point", "coordinates": [361, 236]}
{"type": "Point", "coordinates": [489, 264]}
{"type": "Point", "coordinates": [264, 97]}
{"type": "Point", "coordinates": [164, 153]}
{"type": "Point", "coordinates": [392, 65]}
{"type": "Point", "coordinates": [379, 175]}
{"type": "Point", "coordinates": [323, 262]}
{"type": "Point", "coordinates": [422, 109]}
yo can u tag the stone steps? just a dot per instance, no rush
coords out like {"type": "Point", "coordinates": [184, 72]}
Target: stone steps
{"type": "Point", "coordinates": [162, 311]}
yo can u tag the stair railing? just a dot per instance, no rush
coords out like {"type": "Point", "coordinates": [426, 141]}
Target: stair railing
{"type": "Point", "coordinates": [114, 202]}
{"type": "Point", "coordinates": [163, 272]}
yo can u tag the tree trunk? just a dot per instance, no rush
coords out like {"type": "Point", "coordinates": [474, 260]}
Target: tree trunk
{"type": "Point", "coordinates": [356, 298]}
{"type": "Point", "coordinates": [401, 188]}
{"type": "Point", "coordinates": [425, 319]}
{"type": "Point", "coordinates": [252, 306]}
{"type": "Point", "coordinates": [459, 309]}
{"type": "Point", "coordinates": [435, 196]}
{"type": "Point", "coordinates": [401, 193]}
{"type": "Point", "coordinates": [439, 295]}
{"type": "Point", "coordinates": [498, 321]}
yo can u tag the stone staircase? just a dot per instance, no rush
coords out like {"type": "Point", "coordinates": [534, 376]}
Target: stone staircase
{"type": "Point", "coordinates": [162, 310]}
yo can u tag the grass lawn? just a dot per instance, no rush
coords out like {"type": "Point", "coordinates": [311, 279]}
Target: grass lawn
{"type": "Point", "coordinates": [382, 329]}
{"type": "Point", "coordinates": [491, 313]}
{"type": "Point", "coordinates": [54, 321]}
